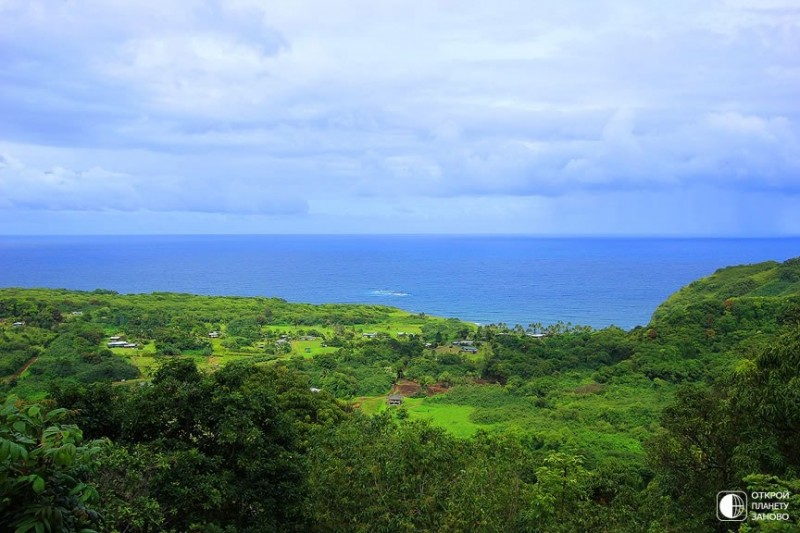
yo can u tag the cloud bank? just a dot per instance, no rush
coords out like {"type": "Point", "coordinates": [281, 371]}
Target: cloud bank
{"type": "Point", "coordinates": [335, 116]}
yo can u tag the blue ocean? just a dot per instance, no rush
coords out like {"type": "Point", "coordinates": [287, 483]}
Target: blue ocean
{"type": "Point", "coordinates": [482, 279]}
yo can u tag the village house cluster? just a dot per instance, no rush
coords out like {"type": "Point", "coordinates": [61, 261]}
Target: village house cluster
{"type": "Point", "coordinates": [118, 341]}
{"type": "Point", "coordinates": [466, 346]}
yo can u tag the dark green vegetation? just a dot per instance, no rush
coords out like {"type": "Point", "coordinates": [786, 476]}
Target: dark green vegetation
{"type": "Point", "coordinates": [279, 423]}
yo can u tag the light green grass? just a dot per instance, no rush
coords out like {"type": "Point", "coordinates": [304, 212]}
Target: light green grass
{"type": "Point", "coordinates": [147, 349]}
{"type": "Point", "coordinates": [613, 422]}
{"type": "Point", "coordinates": [372, 404]}
{"type": "Point", "coordinates": [145, 363]}
{"type": "Point", "coordinates": [294, 330]}
{"type": "Point", "coordinates": [453, 418]}
{"type": "Point", "coordinates": [314, 347]}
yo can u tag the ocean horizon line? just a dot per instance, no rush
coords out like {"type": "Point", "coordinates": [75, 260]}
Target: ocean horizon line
{"type": "Point", "coordinates": [424, 235]}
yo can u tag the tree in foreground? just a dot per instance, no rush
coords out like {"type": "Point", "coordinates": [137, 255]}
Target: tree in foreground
{"type": "Point", "coordinates": [197, 452]}
{"type": "Point", "coordinates": [741, 433]}
{"type": "Point", "coordinates": [44, 466]}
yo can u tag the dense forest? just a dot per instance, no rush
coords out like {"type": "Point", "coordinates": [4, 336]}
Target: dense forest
{"type": "Point", "coordinates": [174, 412]}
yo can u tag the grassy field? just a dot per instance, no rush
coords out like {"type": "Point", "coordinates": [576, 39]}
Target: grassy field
{"type": "Point", "coordinates": [454, 418]}
{"type": "Point", "coordinates": [587, 417]}
{"type": "Point", "coordinates": [457, 419]}
{"type": "Point", "coordinates": [400, 323]}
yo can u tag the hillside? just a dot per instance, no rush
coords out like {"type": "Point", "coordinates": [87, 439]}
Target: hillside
{"type": "Point", "coordinates": [49, 335]}
{"type": "Point", "coordinates": [712, 323]}
{"type": "Point", "coordinates": [746, 285]}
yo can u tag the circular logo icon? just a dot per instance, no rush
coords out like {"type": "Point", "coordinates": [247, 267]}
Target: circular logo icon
{"type": "Point", "coordinates": [732, 506]}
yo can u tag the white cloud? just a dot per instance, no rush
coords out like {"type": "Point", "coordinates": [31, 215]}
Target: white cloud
{"type": "Point", "coordinates": [58, 188]}
{"type": "Point", "coordinates": [228, 106]}
{"type": "Point", "coordinates": [98, 189]}
{"type": "Point", "coordinates": [192, 73]}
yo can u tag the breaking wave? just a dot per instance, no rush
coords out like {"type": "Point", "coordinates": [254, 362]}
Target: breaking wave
{"type": "Point", "coordinates": [384, 292]}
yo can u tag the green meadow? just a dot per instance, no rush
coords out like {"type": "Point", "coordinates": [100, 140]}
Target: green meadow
{"type": "Point", "coordinates": [577, 414]}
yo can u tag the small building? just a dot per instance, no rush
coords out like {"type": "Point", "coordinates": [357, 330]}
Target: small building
{"type": "Point", "coordinates": [18, 324]}
{"type": "Point", "coordinates": [537, 335]}
{"type": "Point", "coordinates": [394, 399]}
{"type": "Point", "coordinates": [469, 349]}
{"type": "Point", "coordinates": [117, 344]}
{"type": "Point", "coordinates": [315, 390]}
{"type": "Point", "coordinates": [369, 335]}
{"type": "Point", "coordinates": [213, 335]}
{"type": "Point", "coordinates": [115, 338]}
{"type": "Point", "coordinates": [130, 345]}
{"type": "Point", "coordinates": [463, 343]}
{"type": "Point", "coordinates": [77, 313]}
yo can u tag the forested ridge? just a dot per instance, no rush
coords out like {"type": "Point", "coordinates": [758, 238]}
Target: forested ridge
{"type": "Point", "coordinates": [175, 412]}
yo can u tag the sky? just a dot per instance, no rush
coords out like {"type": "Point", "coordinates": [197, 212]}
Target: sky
{"type": "Point", "coordinates": [568, 117]}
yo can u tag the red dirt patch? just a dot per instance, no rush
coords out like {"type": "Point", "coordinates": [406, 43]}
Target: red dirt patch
{"type": "Point", "coordinates": [407, 388]}
{"type": "Point", "coordinates": [438, 388]}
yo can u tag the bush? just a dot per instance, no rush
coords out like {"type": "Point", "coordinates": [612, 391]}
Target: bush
{"type": "Point", "coordinates": [43, 468]}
